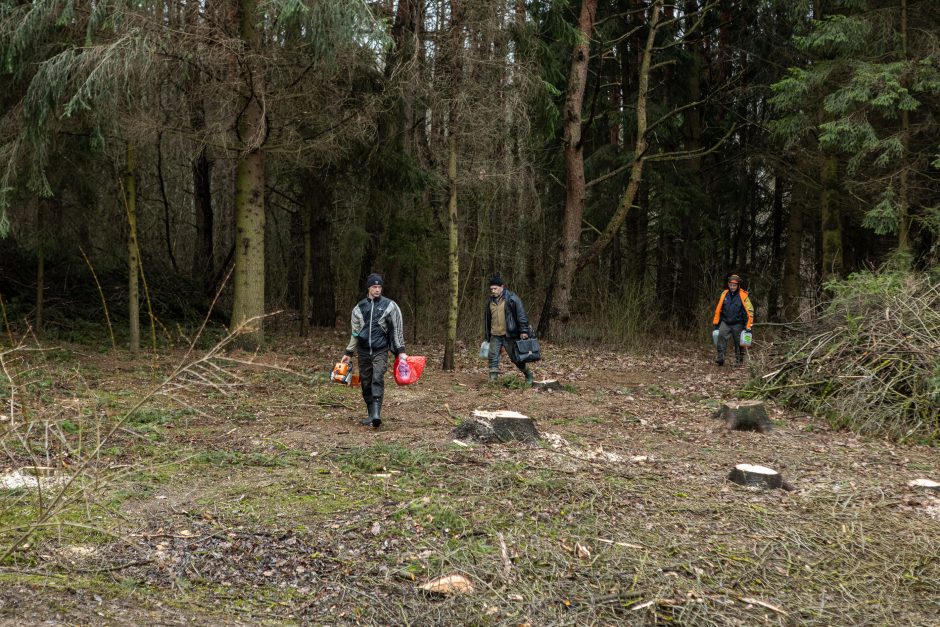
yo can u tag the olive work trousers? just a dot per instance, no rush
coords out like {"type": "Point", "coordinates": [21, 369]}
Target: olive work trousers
{"type": "Point", "coordinates": [372, 375]}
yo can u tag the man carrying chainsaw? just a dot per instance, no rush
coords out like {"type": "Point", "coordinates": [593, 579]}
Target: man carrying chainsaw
{"type": "Point", "coordinates": [377, 328]}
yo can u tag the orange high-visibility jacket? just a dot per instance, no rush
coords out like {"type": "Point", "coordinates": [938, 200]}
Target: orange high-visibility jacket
{"type": "Point", "coordinates": [745, 300]}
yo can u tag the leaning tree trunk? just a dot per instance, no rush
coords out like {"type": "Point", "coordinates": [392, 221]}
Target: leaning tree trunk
{"type": "Point", "coordinates": [639, 148]}
{"type": "Point", "coordinates": [560, 310]}
{"type": "Point", "coordinates": [248, 297]}
{"type": "Point", "coordinates": [133, 251]}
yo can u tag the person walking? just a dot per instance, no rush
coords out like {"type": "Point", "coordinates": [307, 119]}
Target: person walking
{"type": "Point", "coordinates": [734, 314]}
{"type": "Point", "coordinates": [377, 328]}
{"type": "Point", "coordinates": [504, 322]}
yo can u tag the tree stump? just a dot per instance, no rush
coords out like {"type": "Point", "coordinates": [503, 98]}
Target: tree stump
{"type": "Point", "coordinates": [497, 426]}
{"type": "Point", "coordinates": [548, 385]}
{"type": "Point", "coordinates": [745, 416]}
{"type": "Point", "coordinates": [758, 477]}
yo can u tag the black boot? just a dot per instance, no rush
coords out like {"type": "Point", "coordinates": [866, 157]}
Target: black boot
{"type": "Point", "coordinates": [368, 419]}
{"type": "Point", "coordinates": [376, 413]}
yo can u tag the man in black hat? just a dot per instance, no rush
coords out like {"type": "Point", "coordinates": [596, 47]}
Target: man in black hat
{"type": "Point", "coordinates": [377, 328]}
{"type": "Point", "coordinates": [504, 322]}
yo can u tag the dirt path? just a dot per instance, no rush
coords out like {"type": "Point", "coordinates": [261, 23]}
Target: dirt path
{"type": "Point", "coordinates": [270, 503]}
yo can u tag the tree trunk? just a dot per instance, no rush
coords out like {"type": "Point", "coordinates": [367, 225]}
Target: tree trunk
{"type": "Point", "coordinates": [773, 308]}
{"type": "Point", "coordinates": [690, 267]}
{"type": "Point", "coordinates": [453, 255]}
{"type": "Point", "coordinates": [248, 278]}
{"type": "Point", "coordinates": [133, 251]}
{"type": "Point", "coordinates": [202, 268]}
{"type": "Point", "coordinates": [793, 260]}
{"type": "Point", "coordinates": [639, 149]}
{"type": "Point", "coordinates": [40, 264]}
{"type": "Point", "coordinates": [904, 217]}
{"type": "Point", "coordinates": [319, 200]}
{"type": "Point", "coordinates": [453, 252]}
{"type": "Point", "coordinates": [203, 265]}
{"type": "Point", "coordinates": [637, 227]}
{"type": "Point", "coordinates": [830, 219]}
{"type": "Point", "coordinates": [307, 273]}
{"type": "Point", "coordinates": [167, 219]}
{"type": "Point", "coordinates": [560, 311]}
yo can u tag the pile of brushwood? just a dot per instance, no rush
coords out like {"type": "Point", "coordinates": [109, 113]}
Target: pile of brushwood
{"type": "Point", "coordinates": [870, 358]}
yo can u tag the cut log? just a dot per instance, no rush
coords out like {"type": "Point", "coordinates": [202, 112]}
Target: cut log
{"type": "Point", "coordinates": [745, 416]}
{"type": "Point", "coordinates": [451, 584]}
{"type": "Point", "coordinates": [548, 385]}
{"type": "Point", "coordinates": [497, 426]}
{"type": "Point", "coordinates": [925, 484]}
{"type": "Point", "coordinates": [758, 477]}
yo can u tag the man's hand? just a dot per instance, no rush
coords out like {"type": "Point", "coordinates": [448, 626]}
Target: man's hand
{"type": "Point", "coordinates": [524, 336]}
{"type": "Point", "coordinates": [402, 357]}
{"type": "Point", "coordinates": [345, 359]}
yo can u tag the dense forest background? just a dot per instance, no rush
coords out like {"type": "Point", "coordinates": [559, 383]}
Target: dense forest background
{"type": "Point", "coordinates": [612, 159]}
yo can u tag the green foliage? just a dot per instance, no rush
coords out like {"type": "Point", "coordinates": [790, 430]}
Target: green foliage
{"type": "Point", "coordinates": [851, 96]}
{"type": "Point", "coordinates": [870, 359]}
{"type": "Point", "coordinates": [883, 217]}
{"type": "Point", "coordinates": [836, 35]}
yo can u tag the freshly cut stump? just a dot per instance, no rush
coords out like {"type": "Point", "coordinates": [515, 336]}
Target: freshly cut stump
{"type": "Point", "coordinates": [758, 477]}
{"type": "Point", "coordinates": [549, 385]}
{"type": "Point", "coordinates": [745, 416]}
{"type": "Point", "coordinates": [497, 426]}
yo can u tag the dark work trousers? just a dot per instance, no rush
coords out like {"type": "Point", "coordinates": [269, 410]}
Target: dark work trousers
{"type": "Point", "coordinates": [730, 332]}
{"type": "Point", "coordinates": [372, 375]}
{"type": "Point", "coordinates": [496, 341]}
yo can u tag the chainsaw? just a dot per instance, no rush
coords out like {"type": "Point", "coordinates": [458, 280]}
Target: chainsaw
{"type": "Point", "coordinates": [342, 373]}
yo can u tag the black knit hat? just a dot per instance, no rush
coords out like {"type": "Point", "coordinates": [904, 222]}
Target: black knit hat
{"type": "Point", "coordinates": [374, 279]}
{"type": "Point", "coordinates": [496, 280]}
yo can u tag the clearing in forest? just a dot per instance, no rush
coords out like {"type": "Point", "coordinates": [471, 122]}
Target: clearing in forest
{"type": "Point", "coordinates": [249, 494]}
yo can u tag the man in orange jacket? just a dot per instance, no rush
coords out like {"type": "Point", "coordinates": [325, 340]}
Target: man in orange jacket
{"type": "Point", "coordinates": [734, 314]}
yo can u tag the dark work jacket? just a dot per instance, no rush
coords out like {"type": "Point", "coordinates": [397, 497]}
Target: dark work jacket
{"type": "Point", "coordinates": [376, 327]}
{"type": "Point", "coordinates": [516, 320]}
{"type": "Point", "coordinates": [733, 308]}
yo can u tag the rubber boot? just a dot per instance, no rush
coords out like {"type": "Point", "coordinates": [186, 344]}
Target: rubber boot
{"type": "Point", "coordinates": [528, 377]}
{"type": "Point", "coordinates": [376, 413]}
{"type": "Point", "coordinates": [368, 419]}
{"type": "Point", "coordinates": [494, 376]}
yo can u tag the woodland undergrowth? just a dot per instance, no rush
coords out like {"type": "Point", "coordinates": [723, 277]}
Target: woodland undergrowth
{"type": "Point", "coordinates": [869, 359]}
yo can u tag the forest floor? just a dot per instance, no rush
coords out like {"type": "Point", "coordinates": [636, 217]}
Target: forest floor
{"type": "Point", "coordinates": [259, 499]}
